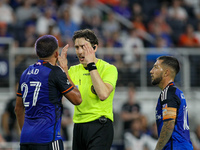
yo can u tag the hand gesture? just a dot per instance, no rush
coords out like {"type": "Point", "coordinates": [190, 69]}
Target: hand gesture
{"type": "Point", "coordinates": [89, 53]}
{"type": "Point", "coordinates": [62, 59]}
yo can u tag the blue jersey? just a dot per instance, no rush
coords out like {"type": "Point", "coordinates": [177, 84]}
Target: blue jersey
{"type": "Point", "coordinates": [171, 97]}
{"type": "Point", "coordinates": [41, 87]}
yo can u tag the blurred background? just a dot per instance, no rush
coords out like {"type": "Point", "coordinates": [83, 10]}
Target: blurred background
{"type": "Point", "coordinates": [131, 33]}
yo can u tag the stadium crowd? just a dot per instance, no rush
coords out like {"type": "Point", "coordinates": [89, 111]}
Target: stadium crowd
{"type": "Point", "coordinates": [154, 24]}
{"type": "Point", "coordinates": [157, 24]}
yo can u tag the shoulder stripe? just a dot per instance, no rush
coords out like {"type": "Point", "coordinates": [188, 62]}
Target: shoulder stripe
{"type": "Point", "coordinates": [164, 94]}
{"type": "Point", "coordinates": [19, 93]}
{"type": "Point", "coordinates": [68, 89]}
{"type": "Point", "coordinates": [61, 68]}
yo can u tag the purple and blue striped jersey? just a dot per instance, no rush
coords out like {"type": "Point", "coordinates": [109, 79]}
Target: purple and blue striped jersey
{"type": "Point", "coordinates": [41, 87]}
{"type": "Point", "coordinates": [171, 97]}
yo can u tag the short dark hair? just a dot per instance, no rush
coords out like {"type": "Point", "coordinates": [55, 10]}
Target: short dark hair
{"type": "Point", "coordinates": [171, 62]}
{"type": "Point", "coordinates": [88, 34]}
{"type": "Point", "coordinates": [46, 45]}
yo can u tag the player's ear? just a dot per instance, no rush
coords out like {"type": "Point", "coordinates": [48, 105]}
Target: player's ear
{"type": "Point", "coordinates": [56, 53]}
{"type": "Point", "coordinates": [166, 72]}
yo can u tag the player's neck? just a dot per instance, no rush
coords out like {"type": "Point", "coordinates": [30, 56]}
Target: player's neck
{"type": "Point", "coordinates": [163, 84]}
{"type": "Point", "coordinates": [52, 61]}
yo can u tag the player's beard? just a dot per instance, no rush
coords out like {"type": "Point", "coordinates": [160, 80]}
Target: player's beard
{"type": "Point", "coordinates": [157, 80]}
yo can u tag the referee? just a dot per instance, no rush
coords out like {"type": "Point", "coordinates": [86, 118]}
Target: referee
{"type": "Point", "coordinates": [96, 81]}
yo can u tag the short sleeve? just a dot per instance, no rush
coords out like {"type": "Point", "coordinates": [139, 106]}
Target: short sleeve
{"type": "Point", "coordinates": [19, 92]}
{"type": "Point", "coordinates": [62, 82]}
{"type": "Point", "coordinates": [171, 100]}
{"type": "Point", "coordinates": [170, 105]}
{"type": "Point", "coordinates": [110, 75]}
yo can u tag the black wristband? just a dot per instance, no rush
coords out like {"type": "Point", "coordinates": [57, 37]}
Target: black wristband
{"type": "Point", "coordinates": [91, 66]}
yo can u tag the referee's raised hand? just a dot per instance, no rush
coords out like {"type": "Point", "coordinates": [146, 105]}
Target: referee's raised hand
{"type": "Point", "coordinates": [62, 59]}
{"type": "Point", "coordinates": [89, 53]}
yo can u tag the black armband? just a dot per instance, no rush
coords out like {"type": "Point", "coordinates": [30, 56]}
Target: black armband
{"type": "Point", "coordinates": [91, 66]}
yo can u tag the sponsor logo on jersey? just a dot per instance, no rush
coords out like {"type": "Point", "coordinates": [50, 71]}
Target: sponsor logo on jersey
{"type": "Point", "coordinates": [68, 82]}
{"type": "Point", "coordinates": [86, 74]}
{"type": "Point", "coordinates": [182, 96]}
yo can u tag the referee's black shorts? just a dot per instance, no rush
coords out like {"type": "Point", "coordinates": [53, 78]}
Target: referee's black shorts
{"type": "Point", "coordinates": [93, 135]}
{"type": "Point", "coordinates": [56, 145]}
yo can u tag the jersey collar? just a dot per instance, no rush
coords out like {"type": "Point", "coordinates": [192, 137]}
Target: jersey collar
{"type": "Point", "coordinates": [171, 83]}
{"type": "Point", "coordinates": [41, 62]}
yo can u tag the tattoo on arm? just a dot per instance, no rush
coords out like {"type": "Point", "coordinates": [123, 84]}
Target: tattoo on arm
{"type": "Point", "coordinates": [166, 132]}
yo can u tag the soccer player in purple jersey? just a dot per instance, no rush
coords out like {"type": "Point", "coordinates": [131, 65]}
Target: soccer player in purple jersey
{"type": "Point", "coordinates": [39, 97]}
{"type": "Point", "coordinates": [171, 109]}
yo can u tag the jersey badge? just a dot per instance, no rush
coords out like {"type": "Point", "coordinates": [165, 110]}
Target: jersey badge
{"type": "Point", "coordinates": [182, 96]}
{"type": "Point", "coordinates": [93, 90]}
{"type": "Point", "coordinates": [68, 82]}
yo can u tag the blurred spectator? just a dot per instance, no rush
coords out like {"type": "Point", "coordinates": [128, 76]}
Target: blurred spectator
{"type": "Point", "coordinates": [27, 37]}
{"type": "Point", "coordinates": [75, 9]}
{"type": "Point", "coordinates": [3, 143]}
{"type": "Point", "coordinates": [54, 30]}
{"type": "Point", "coordinates": [9, 122]}
{"type": "Point", "coordinates": [89, 11]}
{"type": "Point", "coordinates": [4, 30]}
{"type": "Point", "coordinates": [133, 45]}
{"type": "Point", "coordinates": [111, 3]}
{"type": "Point", "coordinates": [114, 41]}
{"type": "Point", "coordinates": [109, 57]}
{"type": "Point", "coordinates": [163, 10]}
{"type": "Point", "coordinates": [27, 12]}
{"type": "Point", "coordinates": [44, 21]}
{"type": "Point", "coordinates": [96, 26]}
{"type": "Point", "coordinates": [123, 9]}
{"type": "Point", "coordinates": [153, 136]}
{"type": "Point", "coordinates": [66, 121]}
{"type": "Point", "coordinates": [156, 32]}
{"type": "Point", "coordinates": [193, 6]}
{"type": "Point", "coordinates": [197, 32]}
{"type": "Point", "coordinates": [177, 12]}
{"type": "Point", "coordinates": [67, 26]}
{"type": "Point", "coordinates": [42, 4]}
{"type": "Point", "coordinates": [15, 3]}
{"type": "Point", "coordinates": [130, 109]}
{"type": "Point", "coordinates": [188, 39]}
{"type": "Point", "coordinates": [135, 139]}
{"type": "Point", "coordinates": [21, 63]}
{"type": "Point", "coordinates": [160, 43]}
{"type": "Point", "coordinates": [7, 14]}
{"type": "Point", "coordinates": [144, 124]}
{"type": "Point", "coordinates": [110, 25]}
{"type": "Point", "coordinates": [159, 20]}
{"type": "Point", "coordinates": [5, 34]}
{"type": "Point", "coordinates": [136, 10]}
{"type": "Point", "coordinates": [139, 25]}
{"type": "Point", "coordinates": [195, 138]}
